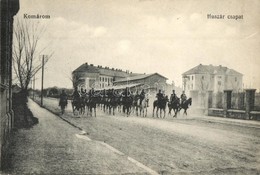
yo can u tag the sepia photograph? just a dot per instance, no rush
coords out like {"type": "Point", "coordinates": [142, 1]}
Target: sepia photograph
{"type": "Point", "coordinates": [130, 87]}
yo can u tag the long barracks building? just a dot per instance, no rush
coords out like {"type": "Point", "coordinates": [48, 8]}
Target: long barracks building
{"type": "Point", "coordinates": [99, 77]}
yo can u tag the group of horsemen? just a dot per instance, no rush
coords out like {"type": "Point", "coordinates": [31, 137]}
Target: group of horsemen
{"type": "Point", "coordinates": [77, 95]}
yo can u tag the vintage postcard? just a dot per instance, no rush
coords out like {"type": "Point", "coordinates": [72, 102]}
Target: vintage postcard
{"type": "Point", "coordinates": [131, 87]}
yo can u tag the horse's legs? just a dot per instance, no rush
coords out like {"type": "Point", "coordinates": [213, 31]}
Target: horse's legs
{"type": "Point", "coordinates": [114, 108]}
{"type": "Point", "coordinates": [127, 111]}
{"type": "Point", "coordinates": [185, 111]}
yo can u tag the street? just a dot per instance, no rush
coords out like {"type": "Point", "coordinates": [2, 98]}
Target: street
{"type": "Point", "coordinates": [186, 145]}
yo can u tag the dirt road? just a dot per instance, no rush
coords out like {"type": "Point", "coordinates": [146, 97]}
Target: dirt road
{"type": "Point", "coordinates": [177, 146]}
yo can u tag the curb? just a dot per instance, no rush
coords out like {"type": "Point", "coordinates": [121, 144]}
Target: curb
{"type": "Point", "coordinates": [59, 116]}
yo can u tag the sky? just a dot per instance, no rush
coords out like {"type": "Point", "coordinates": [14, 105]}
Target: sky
{"type": "Point", "coordinates": [147, 36]}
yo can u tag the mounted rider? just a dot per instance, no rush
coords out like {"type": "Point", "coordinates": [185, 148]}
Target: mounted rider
{"type": "Point", "coordinates": [91, 92]}
{"type": "Point", "coordinates": [126, 93]}
{"type": "Point", "coordinates": [159, 95]}
{"type": "Point", "coordinates": [136, 97]}
{"type": "Point", "coordinates": [183, 97]}
{"type": "Point", "coordinates": [173, 96]}
{"type": "Point", "coordinates": [76, 95]}
{"type": "Point", "coordinates": [142, 96]}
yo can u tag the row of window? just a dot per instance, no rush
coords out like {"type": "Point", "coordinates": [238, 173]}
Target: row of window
{"type": "Point", "coordinates": [105, 79]}
{"type": "Point", "coordinates": [202, 77]}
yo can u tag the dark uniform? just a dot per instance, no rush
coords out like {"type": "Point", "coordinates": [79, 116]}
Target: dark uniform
{"type": "Point", "coordinates": [142, 96]}
{"type": "Point", "coordinates": [63, 99]}
{"type": "Point", "coordinates": [183, 97]}
{"type": "Point", "coordinates": [76, 94]}
{"type": "Point", "coordinates": [173, 96]}
{"type": "Point", "coordinates": [159, 95]}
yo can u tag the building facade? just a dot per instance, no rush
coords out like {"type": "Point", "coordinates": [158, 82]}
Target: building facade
{"type": "Point", "coordinates": [203, 78]}
{"type": "Point", "coordinates": [213, 78]}
{"type": "Point", "coordinates": [88, 75]}
{"type": "Point", "coordinates": [8, 8]}
{"type": "Point", "coordinates": [151, 82]}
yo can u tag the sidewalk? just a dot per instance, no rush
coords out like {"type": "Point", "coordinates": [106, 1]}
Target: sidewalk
{"type": "Point", "coordinates": [55, 147]}
{"type": "Point", "coordinates": [223, 120]}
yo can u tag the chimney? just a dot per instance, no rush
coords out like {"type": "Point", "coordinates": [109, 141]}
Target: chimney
{"type": "Point", "coordinates": [86, 63]}
{"type": "Point", "coordinates": [91, 64]}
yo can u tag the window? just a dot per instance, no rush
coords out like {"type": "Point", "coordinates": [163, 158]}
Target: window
{"type": "Point", "coordinates": [219, 83]}
{"type": "Point", "coordinates": [103, 79]}
{"type": "Point", "coordinates": [202, 77]}
{"type": "Point", "coordinates": [219, 77]}
{"type": "Point", "coordinates": [235, 79]}
{"type": "Point", "coordinates": [100, 79]}
{"type": "Point", "coordinates": [192, 77]}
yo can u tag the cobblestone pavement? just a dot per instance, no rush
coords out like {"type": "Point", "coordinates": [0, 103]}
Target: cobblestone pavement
{"type": "Point", "coordinates": [55, 147]}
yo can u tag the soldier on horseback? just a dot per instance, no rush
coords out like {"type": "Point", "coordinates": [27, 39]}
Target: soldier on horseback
{"type": "Point", "coordinates": [159, 95]}
{"type": "Point", "coordinates": [126, 93]}
{"type": "Point", "coordinates": [142, 96]}
{"type": "Point", "coordinates": [183, 97]}
{"type": "Point", "coordinates": [76, 95]}
{"type": "Point", "coordinates": [173, 96]}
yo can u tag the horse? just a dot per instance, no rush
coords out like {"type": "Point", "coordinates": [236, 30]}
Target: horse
{"type": "Point", "coordinates": [113, 102]}
{"type": "Point", "coordinates": [160, 104]}
{"type": "Point", "coordinates": [174, 105]}
{"type": "Point", "coordinates": [127, 104]}
{"type": "Point", "coordinates": [185, 105]}
{"type": "Point", "coordinates": [136, 104]}
{"type": "Point", "coordinates": [78, 104]}
{"type": "Point", "coordinates": [92, 104]}
{"type": "Point", "coordinates": [143, 106]}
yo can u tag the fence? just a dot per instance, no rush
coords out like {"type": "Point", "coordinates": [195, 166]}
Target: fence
{"type": "Point", "coordinates": [244, 105]}
{"type": "Point", "coordinates": [238, 101]}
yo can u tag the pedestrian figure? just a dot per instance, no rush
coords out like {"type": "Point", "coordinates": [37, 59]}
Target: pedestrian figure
{"type": "Point", "coordinates": [63, 101]}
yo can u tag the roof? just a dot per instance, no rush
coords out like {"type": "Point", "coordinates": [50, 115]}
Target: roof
{"type": "Point", "coordinates": [86, 68]}
{"type": "Point", "coordinates": [120, 86]}
{"type": "Point", "coordinates": [110, 72]}
{"type": "Point", "coordinates": [90, 68]}
{"type": "Point", "coordinates": [210, 69]}
{"type": "Point", "coordinates": [138, 77]}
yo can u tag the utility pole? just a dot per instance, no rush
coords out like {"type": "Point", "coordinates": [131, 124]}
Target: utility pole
{"type": "Point", "coordinates": [42, 80]}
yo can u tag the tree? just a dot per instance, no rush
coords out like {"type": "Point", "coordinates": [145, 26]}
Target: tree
{"type": "Point", "coordinates": [26, 50]}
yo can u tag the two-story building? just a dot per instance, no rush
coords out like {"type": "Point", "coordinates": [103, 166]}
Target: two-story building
{"type": "Point", "coordinates": [203, 78]}
{"type": "Point", "coordinates": [214, 78]}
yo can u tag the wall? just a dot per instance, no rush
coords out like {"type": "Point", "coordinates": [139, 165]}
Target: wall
{"type": "Point", "coordinates": [7, 10]}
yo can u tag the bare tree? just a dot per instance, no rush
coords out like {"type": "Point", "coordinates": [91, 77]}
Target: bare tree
{"type": "Point", "coordinates": [26, 50]}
